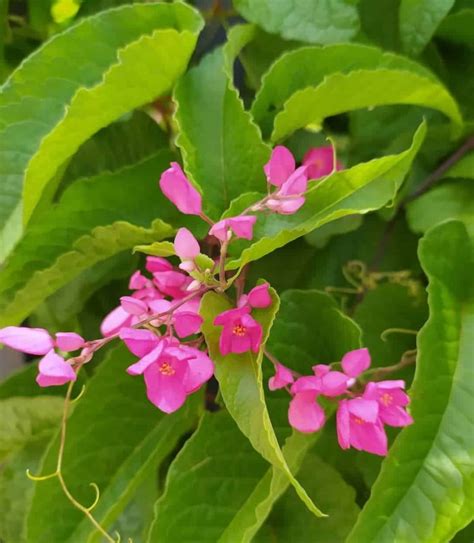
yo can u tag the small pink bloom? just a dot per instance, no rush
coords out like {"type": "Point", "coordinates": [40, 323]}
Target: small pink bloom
{"type": "Point", "coordinates": [157, 264]}
{"type": "Point", "coordinates": [186, 323]}
{"type": "Point", "coordinates": [296, 184]}
{"type": "Point", "coordinates": [355, 362]}
{"type": "Point", "coordinates": [186, 245]}
{"type": "Point", "coordinates": [241, 333]}
{"type": "Point", "coordinates": [241, 226]}
{"type": "Point", "coordinates": [114, 321]}
{"type": "Point", "coordinates": [289, 198]}
{"type": "Point", "coordinates": [133, 306]}
{"type": "Point", "coordinates": [392, 400]}
{"type": "Point", "coordinates": [69, 341]}
{"type": "Point", "coordinates": [280, 166]}
{"type": "Point", "coordinates": [172, 283]}
{"type": "Point", "coordinates": [283, 377]}
{"type": "Point", "coordinates": [26, 340]}
{"type": "Point", "coordinates": [286, 206]}
{"type": "Point", "coordinates": [305, 414]}
{"type": "Point", "coordinates": [259, 296]}
{"type": "Point", "coordinates": [139, 342]}
{"type": "Point", "coordinates": [54, 371]}
{"type": "Point", "coordinates": [177, 188]}
{"type": "Point", "coordinates": [359, 426]}
{"type": "Point", "coordinates": [138, 281]}
{"type": "Point", "coordinates": [330, 383]}
{"type": "Point", "coordinates": [320, 161]}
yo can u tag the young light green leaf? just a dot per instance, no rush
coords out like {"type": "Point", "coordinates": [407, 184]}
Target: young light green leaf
{"type": "Point", "coordinates": [92, 222]}
{"type": "Point", "coordinates": [419, 20]}
{"type": "Point", "coordinates": [222, 148]}
{"type": "Point", "coordinates": [54, 101]}
{"type": "Point", "coordinates": [453, 200]}
{"type": "Point", "coordinates": [114, 436]}
{"type": "Point", "coordinates": [313, 22]}
{"type": "Point", "coordinates": [158, 248]}
{"type": "Point", "coordinates": [358, 190]}
{"type": "Point", "coordinates": [425, 492]}
{"type": "Point", "coordinates": [463, 168]}
{"type": "Point", "coordinates": [359, 89]}
{"type": "Point", "coordinates": [241, 385]}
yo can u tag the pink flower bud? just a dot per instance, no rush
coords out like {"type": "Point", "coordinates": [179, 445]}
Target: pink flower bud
{"type": "Point", "coordinates": [186, 245]}
{"type": "Point", "coordinates": [54, 371]}
{"type": "Point", "coordinates": [241, 226]}
{"type": "Point", "coordinates": [280, 166]}
{"type": "Point", "coordinates": [157, 264]}
{"type": "Point", "coordinates": [320, 161]}
{"type": "Point", "coordinates": [133, 306]}
{"type": "Point", "coordinates": [26, 340]}
{"type": "Point", "coordinates": [179, 190]}
{"type": "Point", "coordinates": [69, 341]}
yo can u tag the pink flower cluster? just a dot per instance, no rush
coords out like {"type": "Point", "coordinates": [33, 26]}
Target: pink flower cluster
{"type": "Point", "coordinates": [360, 417]}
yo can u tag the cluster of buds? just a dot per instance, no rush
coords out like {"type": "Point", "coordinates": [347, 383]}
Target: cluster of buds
{"type": "Point", "coordinates": [361, 416]}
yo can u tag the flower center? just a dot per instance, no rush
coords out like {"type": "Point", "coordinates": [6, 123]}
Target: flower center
{"type": "Point", "coordinates": [357, 420]}
{"type": "Point", "coordinates": [239, 330]}
{"type": "Point", "coordinates": [386, 399]}
{"type": "Point", "coordinates": [167, 369]}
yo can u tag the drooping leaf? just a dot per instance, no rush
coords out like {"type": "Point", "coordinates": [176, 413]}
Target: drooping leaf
{"type": "Point", "coordinates": [313, 22]}
{"type": "Point", "coordinates": [425, 492]}
{"type": "Point", "coordinates": [222, 148]}
{"type": "Point", "coordinates": [419, 20]}
{"type": "Point", "coordinates": [359, 189]}
{"type": "Point", "coordinates": [55, 100]}
{"type": "Point", "coordinates": [458, 27]}
{"type": "Point", "coordinates": [454, 200]}
{"type": "Point", "coordinates": [114, 436]}
{"type": "Point", "coordinates": [92, 222]}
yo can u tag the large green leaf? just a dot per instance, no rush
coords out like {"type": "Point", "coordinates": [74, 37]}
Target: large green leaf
{"type": "Point", "coordinates": [56, 100]}
{"type": "Point", "coordinates": [241, 385]}
{"type": "Point", "coordinates": [305, 20]}
{"type": "Point", "coordinates": [204, 500]}
{"type": "Point", "coordinates": [309, 66]}
{"type": "Point", "coordinates": [93, 221]}
{"type": "Point", "coordinates": [425, 492]}
{"type": "Point", "coordinates": [453, 200]}
{"type": "Point", "coordinates": [419, 20]}
{"type": "Point", "coordinates": [458, 27]}
{"type": "Point", "coordinates": [222, 148]}
{"type": "Point", "coordinates": [359, 189]}
{"type": "Point", "coordinates": [114, 436]}
{"type": "Point", "coordinates": [359, 89]}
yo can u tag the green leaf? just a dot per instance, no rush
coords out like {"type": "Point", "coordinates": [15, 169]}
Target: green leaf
{"type": "Point", "coordinates": [425, 492]}
{"type": "Point", "coordinates": [419, 20]}
{"type": "Point", "coordinates": [339, 93]}
{"type": "Point", "coordinates": [458, 27]}
{"type": "Point", "coordinates": [222, 147]}
{"type": "Point", "coordinates": [158, 248]}
{"type": "Point", "coordinates": [289, 521]}
{"type": "Point", "coordinates": [93, 221]}
{"type": "Point", "coordinates": [359, 189]}
{"type": "Point", "coordinates": [319, 238]}
{"type": "Point", "coordinates": [313, 22]}
{"type": "Point", "coordinates": [241, 385]}
{"type": "Point", "coordinates": [114, 436]}
{"type": "Point", "coordinates": [309, 66]}
{"type": "Point", "coordinates": [463, 168]}
{"type": "Point", "coordinates": [50, 107]}
{"type": "Point", "coordinates": [200, 478]}
{"type": "Point", "coordinates": [453, 200]}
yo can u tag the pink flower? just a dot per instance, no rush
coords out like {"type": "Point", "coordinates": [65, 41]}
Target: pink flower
{"type": "Point", "coordinates": [69, 341]}
{"type": "Point", "coordinates": [54, 371]}
{"type": "Point", "coordinates": [359, 426]}
{"type": "Point", "coordinates": [356, 362]}
{"type": "Point", "coordinates": [139, 342]}
{"type": "Point", "coordinates": [27, 340]}
{"type": "Point", "coordinates": [320, 162]}
{"type": "Point", "coordinates": [187, 248]}
{"type": "Point", "coordinates": [172, 372]}
{"type": "Point", "coordinates": [156, 264]}
{"type": "Point", "coordinates": [177, 188]}
{"type": "Point", "coordinates": [133, 306]}
{"type": "Point", "coordinates": [185, 319]}
{"type": "Point", "coordinates": [289, 198]}
{"type": "Point", "coordinates": [259, 297]}
{"type": "Point", "coordinates": [138, 281]}
{"type": "Point", "coordinates": [241, 226]}
{"type": "Point", "coordinates": [118, 318]}
{"type": "Point", "coordinates": [280, 166]}
{"type": "Point", "coordinates": [172, 283]}
{"type": "Point", "coordinates": [392, 400]}
{"type": "Point", "coordinates": [241, 332]}
{"type": "Point", "coordinates": [283, 377]}
{"type": "Point", "coordinates": [305, 414]}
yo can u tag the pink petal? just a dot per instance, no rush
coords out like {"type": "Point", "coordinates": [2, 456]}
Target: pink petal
{"type": "Point", "coordinates": [187, 323]}
{"type": "Point", "coordinates": [355, 362]}
{"type": "Point", "coordinates": [157, 264]}
{"type": "Point", "coordinates": [319, 161]}
{"type": "Point", "coordinates": [54, 371]}
{"type": "Point", "coordinates": [166, 392]}
{"type": "Point", "coordinates": [333, 383]}
{"type": "Point", "coordinates": [305, 414]}
{"type": "Point", "coordinates": [242, 226]}
{"type": "Point", "coordinates": [306, 383]}
{"type": "Point", "coordinates": [280, 166]}
{"type": "Point", "coordinates": [395, 415]}
{"type": "Point", "coordinates": [225, 340]}
{"type": "Point", "coordinates": [200, 370]}
{"type": "Point", "coordinates": [114, 321]}
{"type": "Point", "coordinates": [133, 306]}
{"type": "Point", "coordinates": [367, 410]}
{"type": "Point", "coordinates": [343, 425]}
{"type": "Point", "coordinates": [139, 342]}
{"type": "Point", "coordinates": [296, 184]}
{"type": "Point", "coordinates": [240, 344]}
{"type": "Point", "coordinates": [186, 245]}
{"type": "Point", "coordinates": [69, 341]}
{"type": "Point", "coordinates": [220, 230]}
{"type": "Point", "coordinates": [26, 340]}
{"type": "Point", "coordinates": [254, 331]}
{"type": "Point", "coordinates": [139, 367]}
{"type": "Point", "coordinates": [231, 315]}
{"type": "Point", "coordinates": [179, 190]}
{"type": "Point", "coordinates": [259, 297]}
{"type": "Point", "coordinates": [281, 379]}
{"type": "Point", "coordinates": [370, 438]}
{"type": "Point", "coordinates": [137, 281]}
{"type": "Point", "coordinates": [321, 369]}
{"type": "Point", "coordinates": [172, 283]}
{"type": "Point", "coordinates": [286, 207]}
